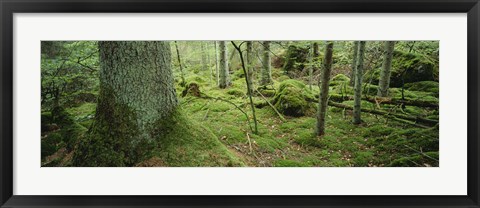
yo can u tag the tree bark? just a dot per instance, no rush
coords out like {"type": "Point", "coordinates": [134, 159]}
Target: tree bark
{"type": "Point", "coordinates": [310, 66]}
{"type": "Point", "coordinates": [267, 66]}
{"type": "Point", "coordinates": [224, 73]}
{"type": "Point", "coordinates": [358, 83]}
{"type": "Point", "coordinates": [325, 79]}
{"type": "Point", "coordinates": [250, 65]}
{"type": "Point", "coordinates": [384, 81]}
{"type": "Point", "coordinates": [354, 63]}
{"type": "Point", "coordinates": [216, 62]}
{"type": "Point", "coordinates": [136, 95]}
{"type": "Point", "coordinates": [204, 56]}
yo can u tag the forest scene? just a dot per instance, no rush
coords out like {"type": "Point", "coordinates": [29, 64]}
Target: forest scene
{"type": "Point", "coordinates": [255, 103]}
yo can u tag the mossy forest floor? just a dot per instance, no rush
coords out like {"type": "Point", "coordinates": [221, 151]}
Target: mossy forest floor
{"type": "Point", "coordinates": [214, 132]}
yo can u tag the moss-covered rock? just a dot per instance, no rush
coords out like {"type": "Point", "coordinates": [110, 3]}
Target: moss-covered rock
{"type": "Point", "coordinates": [295, 58]}
{"type": "Point", "coordinates": [408, 67]}
{"type": "Point", "coordinates": [293, 99]}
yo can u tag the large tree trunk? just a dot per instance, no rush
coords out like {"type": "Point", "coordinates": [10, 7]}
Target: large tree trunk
{"type": "Point", "coordinates": [223, 74]}
{"type": "Point", "coordinates": [354, 63]}
{"type": "Point", "coordinates": [267, 66]}
{"type": "Point", "coordinates": [250, 65]}
{"type": "Point", "coordinates": [136, 95]}
{"type": "Point", "coordinates": [325, 79]}
{"type": "Point", "coordinates": [358, 83]}
{"type": "Point", "coordinates": [384, 82]}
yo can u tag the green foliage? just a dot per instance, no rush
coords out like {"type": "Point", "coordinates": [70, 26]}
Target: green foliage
{"type": "Point", "coordinates": [69, 71]}
{"type": "Point", "coordinates": [50, 144]}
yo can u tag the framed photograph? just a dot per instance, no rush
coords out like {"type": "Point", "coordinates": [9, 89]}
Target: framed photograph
{"type": "Point", "coordinates": [268, 103]}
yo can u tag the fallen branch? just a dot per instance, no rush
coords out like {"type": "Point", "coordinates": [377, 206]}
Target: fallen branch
{"type": "Point", "coordinates": [271, 105]}
{"type": "Point", "coordinates": [393, 101]}
{"type": "Point", "coordinates": [417, 120]}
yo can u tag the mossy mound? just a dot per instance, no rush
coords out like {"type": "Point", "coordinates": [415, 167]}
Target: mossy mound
{"type": "Point", "coordinates": [293, 98]}
{"type": "Point", "coordinates": [424, 86]}
{"type": "Point", "coordinates": [266, 91]}
{"type": "Point", "coordinates": [339, 79]}
{"type": "Point", "coordinates": [236, 92]}
{"type": "Point", "coordinates": [183, 142]}
{"type": "Point", "coordinates": [406, 68]}
{"type": "Point", "coordinates": [295, 58]}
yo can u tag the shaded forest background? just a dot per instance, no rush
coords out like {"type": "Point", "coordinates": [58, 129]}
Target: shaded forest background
{"type": "Point", "coordinates": [252, 116]}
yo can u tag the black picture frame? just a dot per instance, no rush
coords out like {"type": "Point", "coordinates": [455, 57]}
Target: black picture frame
{"type": "Point", "coordinates": [9, 7]}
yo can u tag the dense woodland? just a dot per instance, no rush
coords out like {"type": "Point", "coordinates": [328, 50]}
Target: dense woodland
{"type": "Point", "coordinates": [240, 103]}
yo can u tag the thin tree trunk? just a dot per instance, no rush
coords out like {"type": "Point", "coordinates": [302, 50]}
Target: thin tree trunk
{"type": "Point", "coordinates": [354, 63]}
{"type": "Point", "coordinates": [323, 98]}
{"type": "Point", "coordinates": [267, 66]}
{"type": "Point", "coordinates": [250, 65]}
{"type": "Point", "coordinates": [204, 56]}
{"type": "Point", "coordinates": [248, 85]}
{"type": "Point", "coordinates": [384, 82]}
{"type": "Point", "coordinates": [224, 74]}
{"type": "Point", "coordinates": [216, 62]}
{"type": "Point", "coordinates": [137, 95]}
{"type": "Point", "coordinates": [310, 66]}
{"type": "Point", "coordinates": [358, 83]}
{"type": "Point", "coordinates": [180, 65]}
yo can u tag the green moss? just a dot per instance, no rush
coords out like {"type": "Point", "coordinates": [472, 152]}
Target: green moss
{"type": "Point", "coordinates": [429, 159]}
{"type": "Point", "coordinates": [288, 163]}
{"type": "Point", "coordinates": [113, 139]}
{"type": "Point", "coordinates": [291, 99]}
{"type": "Point", "coordinates": [295, 58]}
{"type": "Point", "coordinates": [267, 92]}
{"type": "Point", "coordinates": [377, 131]}
{"type": "Point", "coordinates": [236, 92]}
{"type": "Point", "coordinates": [183, 142]}
{"type": "Point", "coordinates": [339, 79]}
{"type": "Point", "coordinates": [425, 86]}
{"type": "Point", "coordinates": [362, 159]}
{"type": "Point", "coordinates": [50, 144]}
